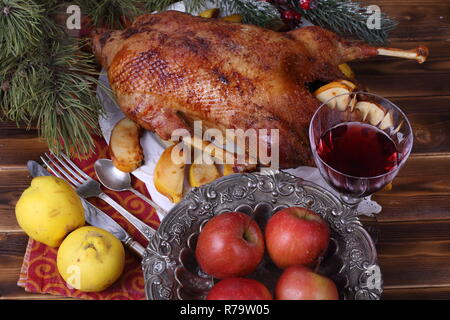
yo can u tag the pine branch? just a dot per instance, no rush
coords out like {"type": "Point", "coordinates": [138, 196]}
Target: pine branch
{"type": "Point", "coordinates": [346, 17]}
{"type": "Point", "coordinates": [156, 5]}
{"type": "Point", "coordinates": [194, 5]}
{"type": "Point", "coordinates": [54, 86]}
{"type": "Point", "coordinates": [110, 14]}
{"type": "Point", "coordinates": [160, 5]}
{"type": "Point", "coordinates": [255, 12]}
{"type": "Point", "coordinates": [20, 26]}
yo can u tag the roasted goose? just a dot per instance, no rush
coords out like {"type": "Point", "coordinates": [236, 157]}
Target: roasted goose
{"type": "Point", "coordinates": [171, 68]}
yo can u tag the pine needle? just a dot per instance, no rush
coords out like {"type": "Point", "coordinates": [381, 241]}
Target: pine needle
{"type": "Point", "coordinates": [21, 26]}
{"type": "Point", "coordinates": [53, 86]}
{"type": "Point", "coordinates": [111, 14]}
{"type": "Point", "coordinates": [156, 5]}
{"type": "Point", "coordinates": [255, 12]}
{"type": "Point", "coordinates": [348, 18]}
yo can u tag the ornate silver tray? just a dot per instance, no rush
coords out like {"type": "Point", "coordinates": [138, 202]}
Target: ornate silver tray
{"type": "Point", "coordinates": [169, 265]}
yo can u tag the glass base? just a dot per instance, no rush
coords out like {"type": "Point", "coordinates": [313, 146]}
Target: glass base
{"type": "Point", "coordinates": [350, 201]}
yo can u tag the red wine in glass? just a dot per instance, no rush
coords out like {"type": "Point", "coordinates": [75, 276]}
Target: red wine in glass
{"type": "Point", "coordinates": [360, 151]}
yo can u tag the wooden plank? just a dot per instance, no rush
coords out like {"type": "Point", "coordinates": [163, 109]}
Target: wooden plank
{"type": "Point", "coordinates": [420, 192]}
{"type": "Point", "coordinates": [12, 184]}
{"type": "Point", "coordinates": [424, 20]}
{"type": "Point", "coordinates": [6, 124]}
{"type": "Point", "coordinates": [20, 294]}
{"type": "Point", "coordinates": [415, 85]}
{"type": "Point", "coordinates": [16, 149]}
{"type": "Point", "coordinates": [12, 249]}
{"type": "Point", "coordinates": [430, 120]}
{"type": "Point", "coordinates": [415, 254]}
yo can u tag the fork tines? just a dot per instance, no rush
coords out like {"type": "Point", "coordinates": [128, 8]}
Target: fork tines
{"type": "Point", "coordinates": [64, 168]}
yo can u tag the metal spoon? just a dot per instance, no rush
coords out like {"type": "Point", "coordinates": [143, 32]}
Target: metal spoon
{"type": "Point", "coordinates": [116, 180]}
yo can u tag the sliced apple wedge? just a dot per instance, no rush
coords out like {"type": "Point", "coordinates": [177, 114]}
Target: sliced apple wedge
{"type": "Point", "coordinates": [350, 85]}
{"type": "Point", "coordinates": [333, 89]}
{"type": "Point", "coordinates": [387, 122]}
{"type": "Point", "coordinates": [370, 112]}
{"type": "Point", "coordinates": [209, 13]}
{"type": "Point", "coordinates": [125, 147]}
{"type": "Point", "coordinates": [346, 70]}
{"type": "Point", "coordinates": [202, 173]}
{"type": "Point", "coordinates": [169, 176]}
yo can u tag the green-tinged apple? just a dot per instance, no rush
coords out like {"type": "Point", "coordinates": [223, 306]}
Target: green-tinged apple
{"type": "Point", "coordinates": [230, 245]}
{"type": "Point", "coordinates": [296, 236]}
{"type": "Point", "coordinates": [239, 289]}
{"type": "Point", "coordinates": [301, 283]}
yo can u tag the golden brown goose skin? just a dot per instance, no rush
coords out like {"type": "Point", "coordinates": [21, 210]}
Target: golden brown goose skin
{"type": "Point", "coordinates": [171, 68]}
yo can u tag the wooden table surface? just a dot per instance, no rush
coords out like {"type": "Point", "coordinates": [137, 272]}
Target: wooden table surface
{"type": "Point", "coordinates": [413, 229]}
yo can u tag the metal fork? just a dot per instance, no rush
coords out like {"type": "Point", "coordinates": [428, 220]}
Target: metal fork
{"type": "Point", "coordinates": [87, 187]}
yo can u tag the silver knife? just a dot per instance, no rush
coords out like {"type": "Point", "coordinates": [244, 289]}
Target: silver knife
{"type": "Point", "coordinates": [95, 216]}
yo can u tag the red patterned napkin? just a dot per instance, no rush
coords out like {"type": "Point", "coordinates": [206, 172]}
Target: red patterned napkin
{"type": "Point", "coordinates": [39, 273]}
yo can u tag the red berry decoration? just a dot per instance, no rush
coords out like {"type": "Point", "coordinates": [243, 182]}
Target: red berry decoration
{"type": "Point", "coordinates": [288, 15]}
{"type": "Point", "coordinates": [297, 16]}
{"type": "Point", "coordinates": [291, 15]}
{"type": "Point", "coordinates": [305, 4]}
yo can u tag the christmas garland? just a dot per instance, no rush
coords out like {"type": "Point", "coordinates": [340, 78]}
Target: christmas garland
{"type": "Point", "coordinates": [46, 79]}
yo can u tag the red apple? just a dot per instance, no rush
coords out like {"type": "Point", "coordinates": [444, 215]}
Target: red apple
{"type": "Point", "coordinates": [300, 283]}
{"type": "Point", "coordinates": [230, 245]}
{"type": "Point", "coordinates": [296, 236]}
{"type": "Point", "coordinates": [239, 289]}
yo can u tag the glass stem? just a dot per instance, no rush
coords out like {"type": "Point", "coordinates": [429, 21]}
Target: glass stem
{"type": "Point", "coordinates": [350, 201]}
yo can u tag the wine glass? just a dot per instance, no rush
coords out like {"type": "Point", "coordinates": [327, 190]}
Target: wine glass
{"type": "Point", "coordinates": [359, 143]}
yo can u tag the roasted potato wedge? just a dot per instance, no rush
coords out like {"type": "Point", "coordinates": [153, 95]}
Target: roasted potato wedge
{"type": "Point", "coordinates": [124, 145]}
{"type": "Point", "coordinates": [169, 176]}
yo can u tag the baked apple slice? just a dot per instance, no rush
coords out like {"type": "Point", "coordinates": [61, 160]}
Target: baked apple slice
{"type": "Point", "coordinates": [228, 169]}
{"type": "Point", "coordinates": [333, 89]}
{"type": "Point", "coordinates": [169, 176]}
{"type": "Point", "coordinates": [125, 148]}
{"type": "Point", "coordinates": [375, 114]}
{"type": "Point", "coordinates": [202, 173]}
